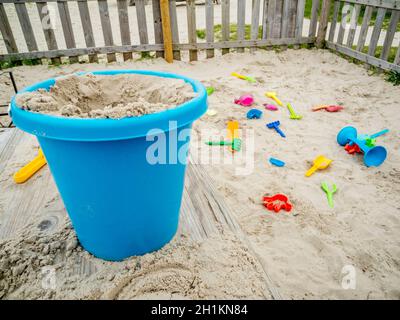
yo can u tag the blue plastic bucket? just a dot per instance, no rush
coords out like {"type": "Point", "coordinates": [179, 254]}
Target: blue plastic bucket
{"type": "Point", "coordinates": [119, 204]}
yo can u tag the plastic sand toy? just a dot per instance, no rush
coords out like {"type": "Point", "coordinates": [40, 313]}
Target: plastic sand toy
{"type": "Point", "coordinates": [210, 90]}
{"type": "Point", "coordinates": [329, 192]}
{"type": "Point", "coordinates": [352, 148]}
{"type": "Point", "coordinates": [370, 141]}
{"type": "Point", "coordinates": [275, 125]}
{"type": "Point", "coordinates": [254, 114]}
{"type": "Point", "coordinates": [319, 163]}
{"type": "Point", "coordinates": [26, 172]}
{"type": "Point", "coordinates": [293, 114]}
{"type": "Point", "coordinates": [234, 141]}
{"type": "Point", "coordinates": [103, 174]}
{"type": "Point", "coordinates": [277, 162]}
{"type": "Point", "coordinates": [270, 107]}
{"type": "Point", "coordinates": [334, 108]}
{"type": "Point", "coordinates": [277, 203]}
{"type": "Point", "coordinates": [240, 76]}
{"type": "Point", "coordinates": [373, 156]}
{"type": "Point", "coordinates": [245, 100]}
{"type": "Point", "coordinates": [233, 135]}
{"type": "Point", "coordinates": [329, 108]}
{"type": "Point", "coordinates": [211, 112]}
{"type": "Point", "coordinates": [273, 96]}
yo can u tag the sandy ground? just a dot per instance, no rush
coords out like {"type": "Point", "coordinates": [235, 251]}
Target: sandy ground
{"type": "Point", "coordinates": [98, 37]}
{"type": "Point", "coordinates": [310, 250]}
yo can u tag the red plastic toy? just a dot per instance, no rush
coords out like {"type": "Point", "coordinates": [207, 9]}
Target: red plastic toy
{"type": "Point", "coordinates": [351, 149]}
{"type": "Point", "coordinates": [277, 203]}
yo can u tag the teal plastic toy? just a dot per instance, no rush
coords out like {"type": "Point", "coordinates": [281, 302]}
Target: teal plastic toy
{"type": "Point", "coordinates": [370, 140]}
{"type": "Point", "coordinates": [373, 156]}
{"type": "Point", "coordinates": [120, 203]}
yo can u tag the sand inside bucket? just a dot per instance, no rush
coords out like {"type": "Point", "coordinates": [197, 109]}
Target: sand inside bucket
{"type": "Point", "coordinates": [105, 96]}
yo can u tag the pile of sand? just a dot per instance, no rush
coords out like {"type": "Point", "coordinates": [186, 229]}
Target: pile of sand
{"type": "Point", "coordinates": [103, 96]}
{"type": "Point", "coordinates": [44, 263]}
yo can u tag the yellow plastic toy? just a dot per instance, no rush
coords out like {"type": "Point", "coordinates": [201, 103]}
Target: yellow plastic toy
{"type": "Point", "coordinates": [320, 107]}
{"type": "Point", "coordinates": [233, 135]}
{"type": "Point", "coordinates": [319, 163]}
{"type": "Point", "coordinates": [272, 95]}
{"type": "Point", "coordinates": [240, 76]}
{"type": "Point", "coordinates": [26, 172]}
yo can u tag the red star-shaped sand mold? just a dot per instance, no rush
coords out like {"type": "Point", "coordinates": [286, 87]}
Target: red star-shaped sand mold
{"type": "Point", "coordinates": [277, 202]}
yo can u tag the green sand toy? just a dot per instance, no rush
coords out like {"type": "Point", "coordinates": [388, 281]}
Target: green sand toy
{"type": "Point", "coordinates": [293, 114]}
{"type": "Point", "coordinates": [236, 144]}
{"type": "Point", "coordinates": [210, 90]}
{"type": "Point", "coordinates": [329, 192]}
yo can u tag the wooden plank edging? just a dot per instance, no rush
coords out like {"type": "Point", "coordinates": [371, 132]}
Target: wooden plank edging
{"type": "Point", "coordinates": [363, 57]}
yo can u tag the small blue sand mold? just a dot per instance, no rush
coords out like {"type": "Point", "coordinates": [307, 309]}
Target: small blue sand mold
{"type": "Point", "coordinates": [254, 114]}
{"type": "Point", "coordinates": [276, 162]}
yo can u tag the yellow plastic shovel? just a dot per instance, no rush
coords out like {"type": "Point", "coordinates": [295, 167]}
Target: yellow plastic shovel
{"type": "Point", "coordinates": [30, 169]}
{"type": "Point", "coordinates": [233, 135]}
{"type": "Point", "coordinates": [319, 163]}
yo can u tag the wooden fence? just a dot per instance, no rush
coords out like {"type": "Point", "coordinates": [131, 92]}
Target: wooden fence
{"type": "Point", "coordinates": [281, 22]}
{"type": "Point", "coordinates": [273, 23]}
{"type": "Point", "coordinates": [347, 12]}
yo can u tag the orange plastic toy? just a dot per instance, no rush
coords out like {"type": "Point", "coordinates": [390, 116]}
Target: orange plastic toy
{"type": "Point", "coordinates": [277, 203]}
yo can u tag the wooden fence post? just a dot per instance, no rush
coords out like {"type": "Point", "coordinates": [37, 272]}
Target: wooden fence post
{"type": "Point", "coordinates": [166, 28]}
{"type": "Point", "coordinates": [323, 23]}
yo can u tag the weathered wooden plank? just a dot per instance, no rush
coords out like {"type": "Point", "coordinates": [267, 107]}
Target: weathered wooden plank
{"type": "Point", "coordinates": [376, 32]}
{"type": "Point", "coordinates": [174, 27]}
{"type": "Point", "coordinates": [394, 19]}
{"type": "Point", "coordinates": [292, 19]}
{"type": "Point", "coordinates": [334, 21]}
{"type": "Point", "coordinates": [264, 19]}
{"type": "Point", "coordinates": [364, 57]}
{"type": "Point", "coordinates": [81, 51]}
{"type": "Point", "coordinates": [87, 28]}
{"type": "Point", "coordinates": [166, 30]}
{"type": "Point", "coordinates": [47, 27]}
{"type": "Point", "coordinates": [6, 31]}
{"type": "Point", "coordinates": [142, 23]}
{"type": "Point", "coordinates": [314, 18]}
{"type": "Point", "coordinates": [270, 17]}
{"type": "Point", "coordinates": [155, 47]}
{"type": "Point", "coordinates": [67, 28]}
{"type": "Point", "coordinates": [276, 32]}
{"type": "Point", "coordinates": [364, 28]}
{"type": "Point", "coordinates": [191, 21]}
{"type": "Point", "coordinates": [397, 58]}
{"type": "Point", "coordinates": [300, 18]}
{"type": "Point", "coordinates": [285, 18]}
{"type": "Point", "coordinates": [210, 26]}
{"type": "Point", "coordinates": [124, 28]}
{"type": "Point", "coordinates": [387, 4]}
{"type": "Point", "coordinates": [158, 33]}
{"type": "Point", "coordinates": [353, 26]}
{"type": "Point", "coordinates": [225, 4]}
{"type": "Point", "coordinates": [323, 23]}
{"type": "Point", "coordinates": [255, 20]}
{"type": "Point", "coordinates": [343, 21]}
{"type": "Point", "coordinates": [106, 27]}
{"type": "Point", "coordinates": [26, 26]}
